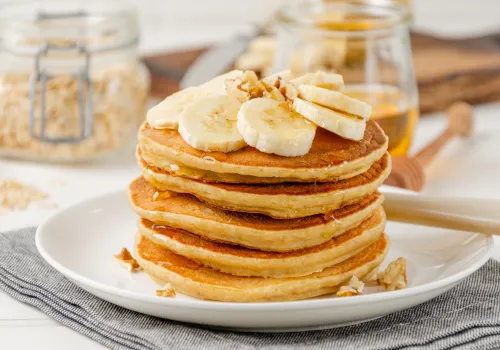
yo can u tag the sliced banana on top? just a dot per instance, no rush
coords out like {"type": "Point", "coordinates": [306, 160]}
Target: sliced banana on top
{"type": "Point", "coordinates": [346, 127]}
{"type": "Point", "coordinates": [285, 75]}
{"type": "Point", "coordinates": [216, 86]}
{"type": "Point", "coordinates": [335, 100]}
{"type": "Point", "coordinates": [325, 80]}
{"type": "Point", "coordinates": [166, 114]}
{"type": "Point", "coordinates": [271, 127]}
{"type": "Point", "coordinates": [209, 124]}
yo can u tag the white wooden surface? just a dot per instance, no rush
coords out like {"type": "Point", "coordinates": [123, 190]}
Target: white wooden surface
{"type": "Point", "coordinates": [464, 168]}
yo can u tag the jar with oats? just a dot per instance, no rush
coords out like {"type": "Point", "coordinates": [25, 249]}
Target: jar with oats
{"type": "Point", "coordinates": [72, 87]}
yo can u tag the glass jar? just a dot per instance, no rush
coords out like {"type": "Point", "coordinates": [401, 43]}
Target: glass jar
{"type": "Point", "coordinates": [71, 84]}
{"type": "Point", "coordinates": [368, 43]}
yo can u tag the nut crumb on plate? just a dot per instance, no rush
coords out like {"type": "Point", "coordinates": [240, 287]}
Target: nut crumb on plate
{"type": "Point", "coordinates": [166, 292]}
{"type": "Point", "coordinates": [127, 260]}
{"type": "Point", "coordinates": [353, 287]}
{"type": "Point", "coordinates": [394, 275]}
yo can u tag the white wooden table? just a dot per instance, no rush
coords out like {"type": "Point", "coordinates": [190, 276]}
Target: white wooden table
{"type": "Point", "coordinates": [464, 168]}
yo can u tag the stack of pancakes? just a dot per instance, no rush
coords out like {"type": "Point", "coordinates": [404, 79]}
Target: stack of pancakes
{"type": "Point", "coordinates": [249, 226]}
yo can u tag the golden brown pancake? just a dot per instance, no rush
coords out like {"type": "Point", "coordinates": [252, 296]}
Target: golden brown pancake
{"type": "Point", "coordinates": [188, 277]}
{"type": "Point", "coordinates": [330, 156]}
{"type": "Point", "coordinates": [210, 176]}
{"type": "Point", "coordinates": [241, 261]}
{"type": "Point", "coordinates": [281, 201]}
{"type": "Point", "coordinates": [256, 231]}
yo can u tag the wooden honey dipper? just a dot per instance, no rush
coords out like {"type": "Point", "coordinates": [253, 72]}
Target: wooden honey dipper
{"type": "Point", "coordinates": [409, 172]}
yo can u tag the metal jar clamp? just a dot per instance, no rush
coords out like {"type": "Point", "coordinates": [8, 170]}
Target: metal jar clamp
{"type": "Point", "coordinates": [39, 77]}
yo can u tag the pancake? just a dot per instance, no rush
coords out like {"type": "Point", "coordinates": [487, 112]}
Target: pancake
{"type": "Point", "coordinates": [330, 156]}
{"type": "Point", "coordinates": [190, 278]}
{"type": "Point", "coordinates": [242, 261]}
{"type": "Point", "coordinates": [256, 231]}
{"type": "Point", "coordinates": [211, 176]}
{"type": "Point", "coordinates": [281, 201]}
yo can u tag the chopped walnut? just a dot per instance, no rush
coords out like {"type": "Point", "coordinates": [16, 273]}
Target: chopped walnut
{"type": "Point", "coordinates": [354, 287]}
{"type": "Point", "coordinates": [166, 292]}
{"type": "Point", "coordinates": [127, 260]}
{"type": "Point", "coordinates": [15, 195]}
{"type": "Point", "coordinates": [394, 275]}
{"type": "Point", "coordinates": [248, 87]}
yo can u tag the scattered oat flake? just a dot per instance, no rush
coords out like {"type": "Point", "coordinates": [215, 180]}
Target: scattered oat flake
{"type": "Point", "coordinates": [17, 196]}
{"type": "Point", "coordinates": [166, 292]}
{"type": "Point", "coordinates": [354, 287]}
{"type": "Point", "coordinates": [174, 167]}
{"type": "Point", "coordinates": [394, 275]}
{"type": "Point", "coordinates": [127, 260]}
{"type": "Point", "coordinates": [155, 195]}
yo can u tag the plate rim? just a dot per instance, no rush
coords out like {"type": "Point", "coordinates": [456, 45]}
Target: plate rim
{"type": "Point", "coordinates": [239, 306]}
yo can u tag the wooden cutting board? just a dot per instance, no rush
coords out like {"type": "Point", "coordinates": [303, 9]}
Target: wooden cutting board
{"type": "Point", "coordinates": [446, 70]}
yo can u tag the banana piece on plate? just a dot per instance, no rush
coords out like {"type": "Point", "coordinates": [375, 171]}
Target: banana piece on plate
{"type": "Point", "coordinates": [209, 124]}
{"type": "Point", "coordinates": [347, 127]}
{"type": "Point", "coordinates": [321, 79]}
{"type": "Point", "coordinates": [166, 114]}
{"type": "Point", "coordinates": [271, 127]}
{"type": "Point", "coordinates": [336, 101]}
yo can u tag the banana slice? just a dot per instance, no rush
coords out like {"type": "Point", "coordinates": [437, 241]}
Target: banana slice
{"type": "Point", "coordinates": [216, 86]}
{"type": "Point", "coordinates": [209, 124]}
{"type": "Point", "coordinates": [335, 100]}
{"type": "Point", "coordinates": [165, 115]}
{"type": "Point", "coordinates": [344, 126]}
{"type": "Point", "coordinates": [325, 80]}
{"type": "Point", "coordinates": [285, 75]}
{"type": "Point", "coordinates": [271, 127]}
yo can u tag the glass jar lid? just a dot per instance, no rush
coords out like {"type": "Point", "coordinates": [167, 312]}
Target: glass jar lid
{"type": "Point", "coordinates": [96, 25]}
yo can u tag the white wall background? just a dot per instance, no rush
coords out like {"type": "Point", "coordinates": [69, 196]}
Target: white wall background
{"type": "Point", "coordinates": [176, 24]}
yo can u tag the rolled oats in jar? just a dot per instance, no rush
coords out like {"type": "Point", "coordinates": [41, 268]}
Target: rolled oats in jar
{"type": "Point", "coordinates": [72, 86]}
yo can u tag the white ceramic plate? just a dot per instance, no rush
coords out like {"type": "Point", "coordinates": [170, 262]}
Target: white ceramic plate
{"type": "Point", "coordinates": [80, 241]}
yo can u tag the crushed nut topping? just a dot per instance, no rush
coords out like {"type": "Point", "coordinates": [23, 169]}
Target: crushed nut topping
{"type": "Point", "coordinates": [248, 87]}
{"type": "Point", "coordinates": [394, 275]}
{"type": "Point", "coordinates": [166, 292]}
{"type": "Point", "coordinates": [354, 287]}
{"type": "Point", "coordinates": [127, 260]}
{"type": "Point", "coordinates": [15, 195]}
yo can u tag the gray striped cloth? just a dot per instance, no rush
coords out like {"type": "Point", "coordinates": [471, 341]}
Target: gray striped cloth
{"type": "Point", "coordinates": [467, 317]}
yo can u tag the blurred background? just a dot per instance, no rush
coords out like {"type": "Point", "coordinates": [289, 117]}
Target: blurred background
{"type": "Point", "coordinates": [75, 81]}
